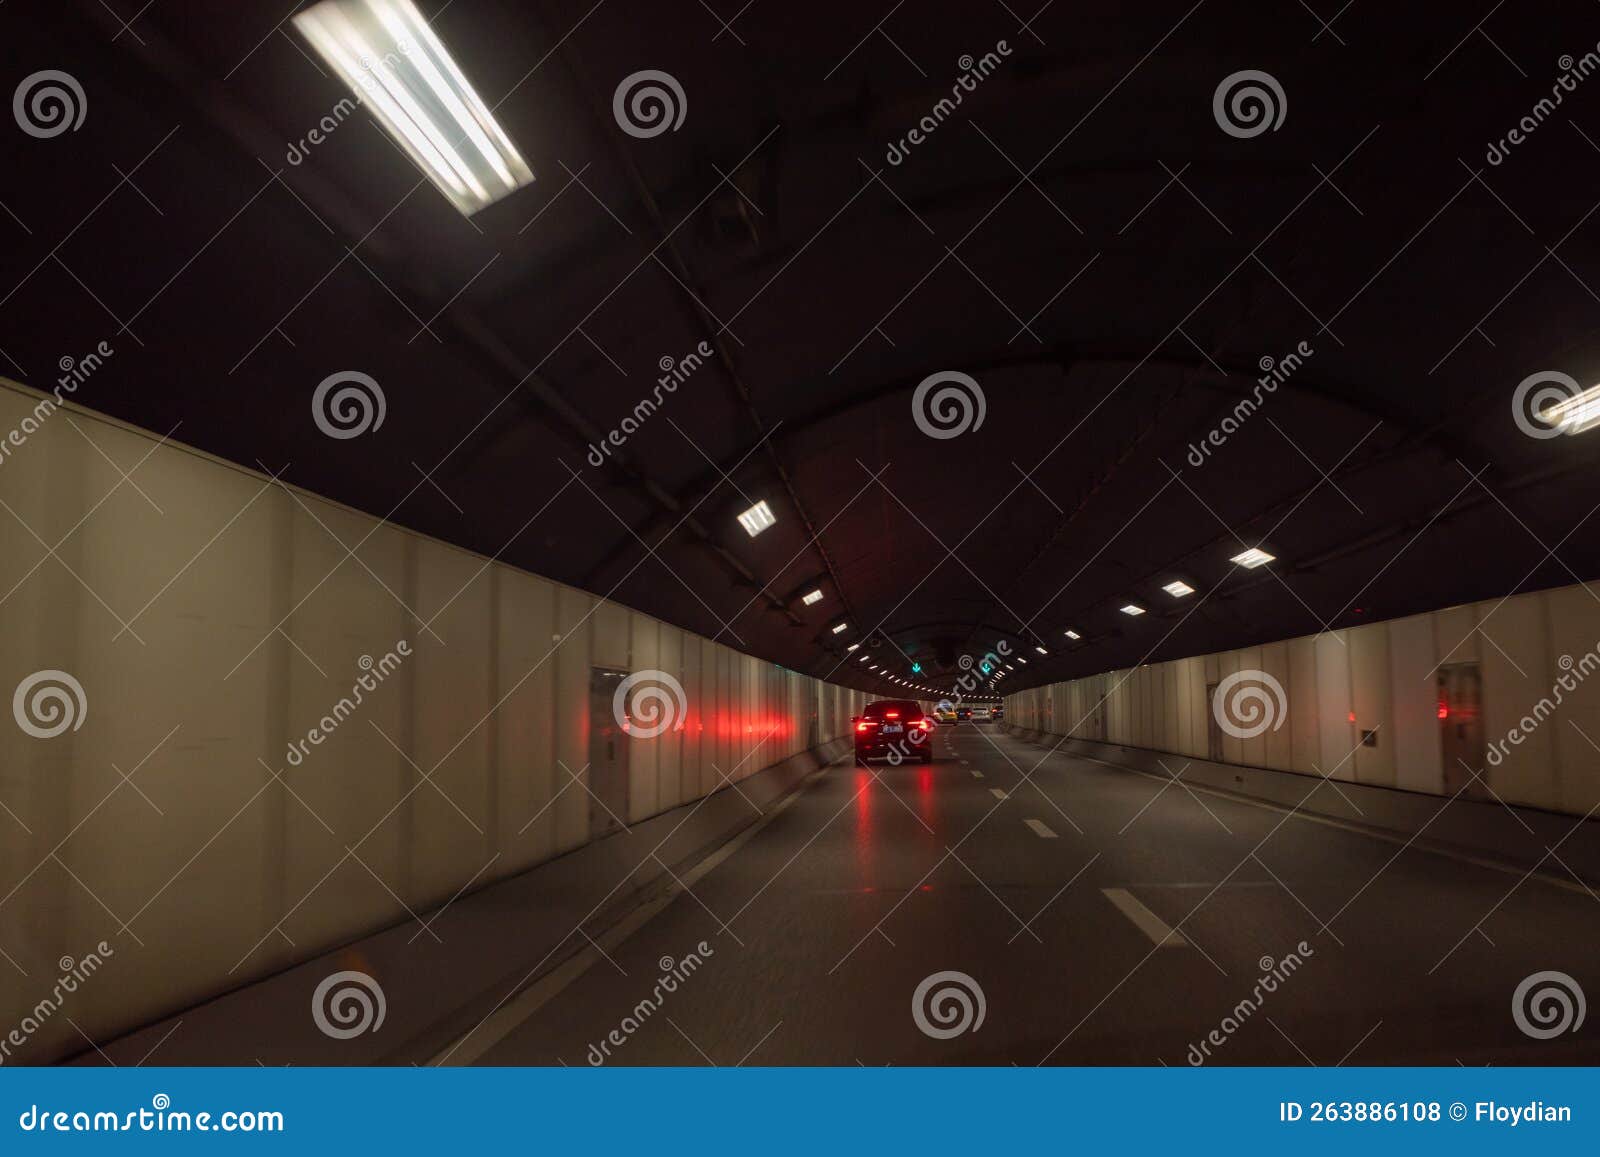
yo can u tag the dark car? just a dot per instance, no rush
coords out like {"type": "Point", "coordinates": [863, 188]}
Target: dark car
{"type": "Point", "coordinates": [893, 729]}
{"type": "Point", "coordinates": [963, 714]}
{"type": "Point", "coordinates": [998, 712]}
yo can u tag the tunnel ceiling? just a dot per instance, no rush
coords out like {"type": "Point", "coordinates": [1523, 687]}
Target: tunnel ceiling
{"type": "Point", "coordinates": [1079, 236]}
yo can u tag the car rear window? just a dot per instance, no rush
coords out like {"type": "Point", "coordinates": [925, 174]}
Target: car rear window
{"type": "Point", "coordinates": [905, 708]}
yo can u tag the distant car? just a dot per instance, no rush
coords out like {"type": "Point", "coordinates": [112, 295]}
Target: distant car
{"type": "Point", "coordinates": [945, 713]}
{"type": "Point", "coordinates": [963, 714]}
{"type": "Point", "coordinates": [981, 714]}
{"type": "Point", "coordinates": [997, 712]}
{"type": "Point", "coordinates": [892, 726]}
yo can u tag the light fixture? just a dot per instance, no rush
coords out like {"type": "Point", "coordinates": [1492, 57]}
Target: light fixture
{"type": "Point", "coordinates": [1252, 558]}
{"type": "Point", "coordinates": [865, 657]}
{"type": "Point", "coordinates": [1177, 588]}
{"type": "Point", "coordinates": [387, 54]}
{"type": "Point", "coordinates": [813, 596]}
{"type": "Point", "coordinates": [1133, 609]}
{"type": "Point", "coordinates": [1576, 414]}
{"type": "Point", "coordinates": [1073, 635]}
{"type": "Point", "coordinates": [1040, 649]}
{"type": "Point", "coordinates": [840, 628]}
{"type": "Point", "coordinates": [852, 647]}
{"type": "Point", "coordinates": [757, 518]}
{"type": "Point", "coordinates": [1021, 660]}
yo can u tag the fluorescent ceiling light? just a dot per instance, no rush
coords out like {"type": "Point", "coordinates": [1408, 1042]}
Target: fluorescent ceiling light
{"type": "Point", "coordinates": [864, 658]}
{"type": "Point", "coordinates": [1252, 558]}
{"type": "Point", "coordinates": [840, 628]}
{"type": "Point", "coordinates": [812, 597]}
{"type": "Point", "coordinates": [390, 58]}
{"type": "Point", "coordinates": [1133, 609]}
{"type": "Point", "coordinates": [1577, 414]}
{"type": "Point", "coordinates": [1040, 649]}
{"type": "Point", "coordinates": [1178, 588]}
{"type": "Point", "coordinates": [757, 518]}
{"type": "Point", "coordinates": [852, 647]}
{"type": "Point", "coordinates": [1073, 635]}
{"type": "Point", "coordinates": [1021, 660]}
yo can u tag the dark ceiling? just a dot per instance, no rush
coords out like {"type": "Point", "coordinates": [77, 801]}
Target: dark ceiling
{"type": "Point", "coordinates": [1080, 236]}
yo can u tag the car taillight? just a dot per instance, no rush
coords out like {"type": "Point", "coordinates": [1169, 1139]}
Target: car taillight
{"type": "Point", "coordinates": [923, 724]}
{"type": "Point", "coordinates": [863, 726]}
{"type": "Point", "coordinates": [891, 715]}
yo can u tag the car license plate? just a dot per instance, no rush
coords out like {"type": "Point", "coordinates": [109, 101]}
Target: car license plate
{"type": "Point", "coordinates": [892, 729]}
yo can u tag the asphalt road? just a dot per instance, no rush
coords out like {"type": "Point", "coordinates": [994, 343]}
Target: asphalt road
{"type": "Point", "coordinates": [1055, 895]}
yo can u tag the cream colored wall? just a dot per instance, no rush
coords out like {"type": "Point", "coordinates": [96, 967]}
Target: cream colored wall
{"type": "Point", "coordinates": [1385, 673]}
{"type": "Point", "coordinates": [248, 619]}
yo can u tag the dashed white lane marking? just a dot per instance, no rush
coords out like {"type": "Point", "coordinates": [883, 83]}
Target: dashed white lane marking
{"type": "Point", "coordinates": [1041, 829]}
{"type": "Point", "coordinates": [1145, 920]}
{"type": "Point", "coordinates": [997, 793]}
{"type": "Point", "coordinates": [976, 774]}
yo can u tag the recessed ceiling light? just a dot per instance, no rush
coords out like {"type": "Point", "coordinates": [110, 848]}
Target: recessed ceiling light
{"type": "Point", "coordinates": [1133, 609]}
{"type": "Point", "coordinates": [864, 658]}
{"type": "Point", "coordinates": [840, 628]}
{"type": "Point", "coordinates": [852, 647]}
{"type": "Point", "coordinates": [1576, 414]}
{"type": "Point", "coordinates": [814, 596]}
{"type": "Point", "coordinates": [1021, 660]}
{"type": "Point", "coordinates": [757, 518]}
{"type": "Point", "coordinates": [1178, 588]}
{"type": "Point", "coordinates": [1252, 558]}
{"type": "Point", "coordinates": [1073, 635]}
{"type": "Point", "coordinates": [1040, 649]}
{"type": "Point", "coordinates": [387, 54]}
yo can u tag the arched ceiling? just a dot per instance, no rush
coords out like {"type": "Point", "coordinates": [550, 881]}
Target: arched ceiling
{"type": "Point", "coordinates": [1079, 236]}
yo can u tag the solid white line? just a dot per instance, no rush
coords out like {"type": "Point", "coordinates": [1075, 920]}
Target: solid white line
{"type": "Point", "coordinates": [1041, 830]}
{"type": "Point", "coordinates": [504, 1021]}
{"type": "Point", "coordinates": [997, 793]}
{"type": "Point", "coordinates": [1144, 920]}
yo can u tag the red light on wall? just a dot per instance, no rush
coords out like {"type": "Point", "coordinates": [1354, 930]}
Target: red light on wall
{"type": "Point", "coordinates": [1352, 717]}
{"type": "Point", "coordinates": [1444, 709]}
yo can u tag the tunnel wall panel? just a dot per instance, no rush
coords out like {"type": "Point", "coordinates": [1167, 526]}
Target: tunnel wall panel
{"type": "Point", "coordinates": [1538, 657]}
{"type": "Point", "coordinates": [216, 620]}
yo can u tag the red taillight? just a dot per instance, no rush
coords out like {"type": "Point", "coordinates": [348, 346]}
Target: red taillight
{"type": "Point", "coordinates": [891, 715]}
{"type": "Point", "coordinates": [923, 725]}
{"type": "Point", "coordinates": [863, 726]}
{"type": "Point", "coordinates": [1444, 710]}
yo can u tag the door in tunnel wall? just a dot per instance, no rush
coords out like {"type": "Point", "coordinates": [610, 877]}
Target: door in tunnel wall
{"type": "Point", "coordinates": [608, 754]}
{"type": "Point", "coordinates": [1461, 729]}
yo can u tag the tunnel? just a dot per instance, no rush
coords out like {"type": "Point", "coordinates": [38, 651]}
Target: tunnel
{"type": "Point", "coordinates": [627, 535]}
